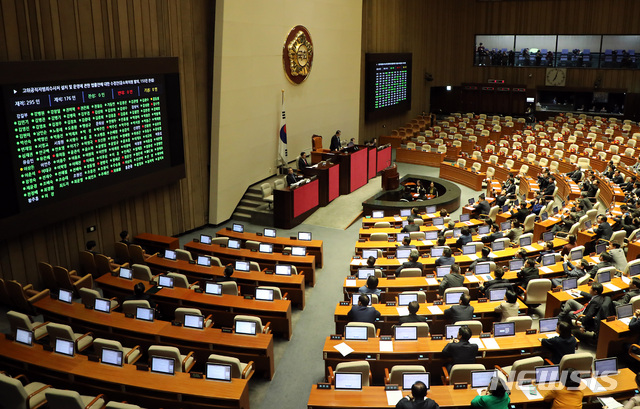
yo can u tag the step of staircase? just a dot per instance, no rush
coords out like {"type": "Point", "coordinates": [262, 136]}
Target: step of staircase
{"type": "Point", "coordinates": [252, 208]}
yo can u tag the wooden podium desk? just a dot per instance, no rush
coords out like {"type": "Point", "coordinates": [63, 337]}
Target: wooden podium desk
{"type": "Point", "coordinates": [123, 383]}
{"type": "Point", "coordinates": [383, 157]}
{"type": "Point", "coordinates": [389, 316]}
{"type": "Point", "coordinates": [247, 281]}
{"type": "Point", "coordinates": [223, 308]}
{"type": "Point", "coordinates": [611, 336]}
{"type": "Point", "coordinates": [353, 163]}
{"type": "Point", "coordinates": [528, 187]}
{"type": "Point", "coordinates": [328, 181]}
{"type": "Point", "coordinates": [131, 331]}
{"type": "Point", "coordinates": [464, 176]}
{"type": "Point", "coordinates": [428, 352]}
{"type": "Point", "coordinates": [609, 192]}
{"type": "Point", "coordinates": [156, 242]}
{"type": "Point", "coordinates": [293, 206]}
{"type": "Point", "coordinates": [306, 265]}
{"type": "Point", "coordinates": [555, 300]}
{"type": "Point", "coordinates": [314, 247]}
{"type": "Point", "coordinates": [375, 397]}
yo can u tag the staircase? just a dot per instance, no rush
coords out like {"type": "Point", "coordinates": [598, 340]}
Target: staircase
{"type": "Point", "coordinates": [252, 208]}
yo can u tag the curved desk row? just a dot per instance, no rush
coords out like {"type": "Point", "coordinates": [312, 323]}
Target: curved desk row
{"type": "Point", "coordinates": [131, 331]}
{"type": "Point", "coordinates": [123, 383]}
{"type": "Point", "coordinates": [223, 308]}
{"type": "Point", "coordinates": [248, 281]}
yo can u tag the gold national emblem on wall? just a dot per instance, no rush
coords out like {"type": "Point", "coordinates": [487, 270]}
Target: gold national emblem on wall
{"type": "Point", "coordinates": [297, 55]}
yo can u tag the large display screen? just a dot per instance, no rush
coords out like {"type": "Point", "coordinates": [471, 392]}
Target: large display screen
{"type": "Point", "coordinates": [388, 83]}
{"type": "Point", "coordinates": [75, 135]}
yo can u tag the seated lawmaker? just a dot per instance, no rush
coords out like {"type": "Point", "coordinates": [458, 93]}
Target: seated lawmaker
{"type": "Point", "coordinates": [465, 237]}
{"type": "Point", "coordinates": [482, 207]}
{"type": "Point", "coordinates": [371, 287]}
{"type": "Point", "coordinates": [509, 307]}
{"type": "Point", "coordinates": [446, 259]}
{"type": "Point", "coordinates": [587, 314]}
{"type": "Point", "coordinates": [634, 290]}
{"type": "Point", "coordinates": [460, 350]}
{"type": "Point", "coordinates": [497, 282]}
{"type": "Point", "coordinates": [417, 399]}
{"type": "Point", "coordinates": [494, 397]}
{"type": "Point", "coordinates": [571, 395]}
{"type": "Point", "coordinates": [460, 312]}
{"type": "Point", "coordinates": [362, 312]}
{"type": "Point", "coordinates": [562, 345]}
{"type": "Point", "coordinates": [453, 279]}
{"type": "Point", "coordinates": [494, 235]}
{"type": "Point", "coordinates": [484, 257]}
{"type": "Point", "coordinates": [412, 263]}
{"type": "Point", "coordinates": [413, 316]}
{"type": "Point", "coordinates": [302, 161]}
{"type": "Point", "coordinates": [291, 177]}
{"type": "Point", "coordinates": [527, 273]}
{"type": "Point", "coordinates": [411, 226]}
{"type": "Point", "coordinates": [580, 269]}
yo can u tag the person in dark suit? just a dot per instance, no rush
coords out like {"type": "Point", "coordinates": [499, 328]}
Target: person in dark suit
{"type": "Point", "coordinates": [634, 289]}
{"type": "Point", "coordinates": [453, 279]}
{"type": "Point", "coordinates": [413, 316]}
{"type": "Point", "coordinates": [461, 312]}
{"type": "Point", "coordinates": [371, 287]}
{"type": "Point", "coordinates": [527, 273]}
{"type": "Point", "coordinates": [586, 203]}
{"type": "Point", "coordinates": [548, 190]}
{"type": "Point", "coordinates": [411, 226]}
{"type": "Point", "coordinates": [412, 263]}
{"type": "Point", "coordinates": [497, 282]}
{"type": "Point", "coordinates": [140, 295]}
{"type": "Point", "coordinates": [465, 237]}
{"type": "Point", "coordinates": [335, 142]}
{"type": "Point", "coordinates": [484, 257]}
{"type": "Point", "coordinates": [482, 207]}
{"type": "Point", "coordinates": [124, 237]}
{"type": "Point", "coordinates": [586, 314]}
{"type": "Point", "coordinates": [90, 247]}
{"type": "Point", "coordinates": [576, 175]}
{"type": "Point", "coordinates": [302, 162]}
{"type": "Point", "coordinates": [362, 313]}
{"type": "Point", "coordinates": [604, 230]}
{"type": "Point", "coordinates": [417, 399]}
{"type": "Point", "coordinates": [495, 234]}
{"type": "Point", "coordinates": [521, 213]}
{"type": "Point", "coordinates": [446, 259]}
{"type": "Point", "coordinates": [228, 274]}
{"type": "Point", "coordinates": [562, 345]}
{"type": "Point", "coordinates": [460, 350]}
{"type": "Point", "coordinates": [291, 177]}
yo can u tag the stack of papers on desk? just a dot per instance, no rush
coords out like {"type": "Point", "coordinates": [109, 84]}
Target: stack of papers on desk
{"type": "Point", "coordinates": [472, 256]}
{"type": "Point", "coordinates": [486, 277]}
{"type": "Point", "coordinates": [434, 309]}
{"type": "Point", "coordinates": [358, 262]}
{"type": "Point", "coordinates": [403, 260]}
{"type": "Point", "coordinates": [625, 279]}
{"type": "Point", "coordinates": [431, 215]}
{"type": "Point", "coordinates": [531, 392]}
{"type": "Point", "coordinates": [343, 348]}
{"type": "Point", "coordinates": [610, 403]}
{"type": "Point", "coordinates": [469, 223]}
{"type": "Point", "coordinates": [611, 287]}
{"type": "Point", "coordinates": [627, 320]}
{"type": "Point", "coordinates": [595, 259]}
{"type": "Point", "coordinates": [530, 248]}
{"type": "Point", "coordinates": [546, 269]}
{"type": "Point", "coordinates": [386, 346]}
{"type": "Point", "coordinates": [402, 311]}
{"type": "Point", "coordinates": [552, 334]}
{"type": "Point", "coordinates": [594, 385]}
{"type": "Point", "coordinates": [393, 397]}
{"type": "Point", "coordinates": [476, 341]}
{"type": "Point", "coordinates": [427, 242]}
{"type": "Point", "coordinates": [397, 218]}
{"type": "Point", "coordinates": [491, 343]}
{"type": "Point", "coordinates": [492, 254]}
{"type": "Point", "coordinates": [472, 279]}
{"type": "Point", "coordinates": [432, 281]}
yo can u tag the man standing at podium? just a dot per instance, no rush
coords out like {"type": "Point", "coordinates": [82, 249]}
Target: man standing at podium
{"type": "Point", "coordinates": [335, 142]}
{"type": "Point", "coordinates": [302, 162]}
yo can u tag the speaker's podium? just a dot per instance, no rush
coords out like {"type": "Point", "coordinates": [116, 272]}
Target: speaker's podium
{"type": "Point", "coordinates": [390, 178]}
{"type": "Point", "coordinates": [293, 204]}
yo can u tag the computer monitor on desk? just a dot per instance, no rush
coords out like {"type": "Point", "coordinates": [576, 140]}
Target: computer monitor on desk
{"type": "Point", "coordinates": [576, 254]}
{"type": "Point", "coordinates": [569, 284]}
{"type": "Point", "coordinates": [405, 299]}
{"type": "Point", "coordinates": [205, 239]}
{"type": "Point", "coordinates": [264, 294]}
{"type": "Point", "coordinates": [505, 225]}
{"type": "Point", "coordinates": [606, 366]}
{"type": "Point", "coordinates": [213, 288]}
{"type": "Point", "coordinates": [437, 251]}
{"type": "Point", "coordinates": [497, 245]}
{"type": "Point", "coordinates": [438, 221]}
{"type": "Point", "coordinates": [484, 229]}
{"type": "Point", "coordinates": [64, 347]}
{"type": "Point", "coordinates": [298, 251]}
{"type": "Point", "coordinates": [283, 270]}
{"type": "Point", "coordinates": [265, 248]}
{"type": "Point", "coordinates": [126, 273]}
{"type": "Point", "coordinates": [405, 212]}
{"type": "Point", "coordinates": [516, 264]}
{"type": "Point", "coordinates": [452, 297]}
{"type": "Point", "coordinates": [497, 294]}
{"type": "Point", "coordinates": [163, 365]}
{"type": "Point", "coordinates": [111, 357]}
{"type": "Point", "coordinates": [430, 209]}
{"type": "Point", "coordinates": [547, 236]}
{"type": "Point", "coordinates": [547, 374]}
{"type": "Point", "coordinates": [348, 380]}
{"type": "Point", "coordinates": [451, 331]}
{"type": "Point", "coordinates": [482, 379]}
{"type": "Point", "coordinates": [377, 214]}
{"type": "Point", "coordinates": [233, 244]}
{"type": "Point", "coordinates": [431, 235]}
{"type": "Point", "coordinates": [203, 261]}
{"type": "Point", "coordinates": [144, 314]}
{"type": "Point", "coordinates": [624, 311]}
{"type": "Point", "coordinates": [194, 321]}
{"type": "Point", "coordinates": [304, 235]}
{"type": "Point", "coordinates": [525, 241]}
{"type": "Point", "coordinates": [469, 249]}
{"type": "Point", "coordinates": [218, 372]}
{"type": "Point", "coordinates": [548, 259]}
{"type": "Point", "coordinates": [403, 253]}
{"type": "Point", "coordinates": [483, 268]}
{"type": "Point", "coordinates": [268, 232]}
{"type": "Point", "coordinates": [165, 281]}
{"type": "Point", "coordinates": [369, 253]}
{"type": "Point", "coordinates": [465, 217]}
{"type": "Point", "coordinates": [442, 271]}
{"type": "Point", "coordinates": [548, 325]}
{"type": "Point", "coordinates": [102, 305]}
{"type": "Point", "coordinates": [356, 333]}
{"type": "Point", "coordinates": [364, 273]}
{"type": "Point", "coordinates": [634, 270]}
{"type": "Point", "coordinates": [504, 329]}
{"type": "Point", "coordinates": [409, 378]}
{"type": "Point", "coordinates": [241, 265]}
{"type": "Point", "coordinates": [405, 333]}
{"type": "Point", "coordinates": [237, 227]}
{"type": "Point", "coordinates": [170, 255]}
{"type": "Point", "coordinates": [400, 237]}
{"type": "Point", "coordinates": [24, 336]}
{"type": "Point", "coordinates": [65, 296]}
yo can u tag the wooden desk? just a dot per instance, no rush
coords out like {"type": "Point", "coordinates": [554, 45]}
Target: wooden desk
{"type": "Point", "coordinates": [204, 342]}
{"type": "Point", "coordinates": [156, 242]}
{"type": "Point", "coordinates": [483, 312]}
{"type": "Point", "coordinates": [383, 157]}
{"type": "Point", "coordinates": [306, 265]}
{"type": "Point", "coordinates": [463, 176]}
{"type": "Point", "coordinates": [223, 307]}
{"type": "Point", "coordinates": [428, 352]}
{"type": "Point", "coordinates": [365, 233]}
{"type": "Point", "coordinates": [374, 397]}
{"type": "Point", "coordinates": [416, 157]}
{"type": "Point", "coordinates": [314, 247]}
{"type": "Point", "coordinates": [123, 383]}
{"type": "Point", "coordinates": [611, 336]}
{"type": "Point", "coordinates": [528, 187]}
{"type": "Point", "coordinates": [293, 206]}
{"type": "Point", "coordinates": [294, 284]}
{"type": "Point", "coordinates": [353, 168]}
{"type": "Point", "coordinates": [555, 300]}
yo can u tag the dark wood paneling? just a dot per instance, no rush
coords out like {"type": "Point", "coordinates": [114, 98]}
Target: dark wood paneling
{"type": "Point", "coordinates": [70, 29]}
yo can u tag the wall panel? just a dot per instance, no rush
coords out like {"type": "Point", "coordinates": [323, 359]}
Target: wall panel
{"type": "Point", "coordinates": [77, 29]}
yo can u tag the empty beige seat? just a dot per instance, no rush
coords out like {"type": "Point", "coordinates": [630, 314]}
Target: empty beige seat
{"type": "Point", "coordinates": [379, 237]}
{"type": "Point", "coordinates": [353, 366]}
{"type": "Point", "coordinates": [182, 311]}
{"type": "Point", "coordinates": [16, 395]}
{"type": "Point", "coordinates": [460, 373]}
{"type": "Point", "coordinates": [23, 321]}
{"type": "Point", "coordinates": [81, 341]}
{"type": "Point", "coordinates": [65, 399]}
{"type": "Point", "coordinates": [238, 369]}
{"type": "Point", "coordinates": [141, 272]}
{"type": "Point", "coordinates": [526, 367]}
{"type": "Point", "coordinates": [183, 255]}
{"type": "Point", "coordinates": [120, 405]}
{"type": "Point", "coordinates": [422, 328]}
{"type": "Point", "coordinates": [183, 363]}
{"type": "Point", "coordinates": [394, 377]}
{"type": "Point", "coordinates": [410, 272]}
{"type": "Point", "coordinates": [130, 306]}
{"type": "Point", "coordinates": [523, 323]}
{"type": "Point", "coordinates": [129, 355]}
{"type": "Point", "coordinates": [181, 281]}
{"type": "Point", "coordinates": [474, 326]}
{"type": "Point", "coordinates": [89, 296]}
{"type": "Point", "coordinates": [229, 287]}
{"type": "Point", "coordinates": [260, 328]}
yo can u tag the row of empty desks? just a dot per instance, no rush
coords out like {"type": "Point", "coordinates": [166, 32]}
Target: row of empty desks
{"type": "Point", "coordinates": [223, 307]}
{"type": "Point", "coordinates": [130, 331]}
{"type": "Point", "coordinates": [390, 315]}
{"type": "Point", "coordinates": [247, 281]}
{"type": "Point", "coordinates": [306, 265]}
{"type": "Point", "coordinates": [464, 176]}
{"type": "Point", "coordinates": [123, 383]}
{"type": "Point", "coordinates": [374, 397]}
{"type": "Point", "coordinates": [314, 247]}
{"type": "Point", "coordinates": [396, 221]}
{"type": "Point", "coordinates": [392, 232]}
{"type": "Point", "coordinates": [426, 351]}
